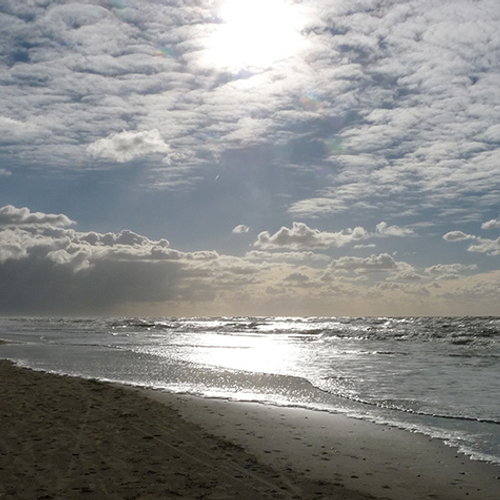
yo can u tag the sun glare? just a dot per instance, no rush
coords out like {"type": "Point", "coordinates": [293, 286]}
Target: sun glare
{"type": "Point", "coordinates": [254, 34]}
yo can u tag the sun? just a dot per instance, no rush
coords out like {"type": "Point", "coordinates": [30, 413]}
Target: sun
{"type": "Point", "coordinates": [254, 34]}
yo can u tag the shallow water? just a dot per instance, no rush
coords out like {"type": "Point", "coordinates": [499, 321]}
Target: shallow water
{"type": "Point", "coordinates": [433, 375]}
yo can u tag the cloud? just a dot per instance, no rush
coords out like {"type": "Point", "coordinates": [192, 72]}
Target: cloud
{"type": "Point", "coordinates": [300, 237]}
{"type": "Point", "coordinates": [298, 277]}
{"type": "Point", "coordinates": [317, 206]}
{"type": "Point", "coordinates": [449, 271]}
{"type": "Point", "coordinates": [489, 247]}
{"type": "Point", "coordinates": [127, 145]}
{"type": "Point", "coordinates": [416, 69]}
{"type": "Point", "coordinates": [373, 99]}
{"type": "Point", "coordinates": [491, 224]}
{"type": "Point", "coordinates": [11, 216]}
{"type": "Point", "coordinates": [457, 236]}
{"type": "Point", "coordinates": [241, 229]}
{"type": "Point", "coordinates": [492, 134]}
{"type": "Point", "coordinates": [47, 268]}
{"type": "Point", "coordinates": [16, 131]}
{"type": "Point", "coordinates": [312, 258]}
{"type": "Point", "coordinates": [482, 245]}
{"type": "Point", "coordinates": [383, 229]}
{"type": "Point", "coordinates": [298, 280]}
{"type": "Point", "coordinates": [4, 172]}
{"type": "Point", "coordinates": [371, 245]}
{"type": "Point", "coordinates": [484, 291]}
{"type": "Point", "coordinates": [374, 263]}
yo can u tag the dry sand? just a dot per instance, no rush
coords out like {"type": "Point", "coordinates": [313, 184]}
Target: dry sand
{"type": "Point", "coordinates": [67, 438]}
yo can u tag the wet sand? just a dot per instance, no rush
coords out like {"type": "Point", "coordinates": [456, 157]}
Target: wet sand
{"type": "Point", "coordinates": [67, 438]}
{"type": "Point", "coordinates": [374, 460]}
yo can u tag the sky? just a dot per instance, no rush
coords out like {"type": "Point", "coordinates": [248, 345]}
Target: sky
{"type": "Point", "coordinates": [249, 157]}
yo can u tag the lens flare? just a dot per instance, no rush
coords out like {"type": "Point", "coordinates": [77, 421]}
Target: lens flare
{"type": "Point", "coordinates": [165, 52]}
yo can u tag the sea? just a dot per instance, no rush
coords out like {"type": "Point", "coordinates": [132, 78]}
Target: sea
{"type": "Point", "coordinates": [439, 376]}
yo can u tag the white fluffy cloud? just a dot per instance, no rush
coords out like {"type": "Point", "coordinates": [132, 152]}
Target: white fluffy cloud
{"type": "Point", "coordinates": [481, 245]}
{"type": "Point", "coordinates": [300, 236]}
{"type": "Point", "coordinates": [457, 236]}
{"type": "Point", "coordinates": [491, 224]}
{"type": "Point", "coordinates": [12, 216]}
{"type": "Point", "coordinates": [127, 145]}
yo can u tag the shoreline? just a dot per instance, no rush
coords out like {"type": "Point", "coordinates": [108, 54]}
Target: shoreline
{"type": "Point", "coordinates": [67, 437]}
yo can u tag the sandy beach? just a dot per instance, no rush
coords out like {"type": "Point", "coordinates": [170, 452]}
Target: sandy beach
{"type": "Point", "coordinates": [64, 438]}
